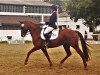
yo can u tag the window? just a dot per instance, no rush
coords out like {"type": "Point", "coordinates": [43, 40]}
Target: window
{"type": "Point", "coordinates": [77, 26]}
{"type": "Point", "coordinates": [11, 8]}
{"type": "Point", "coordinates": [41, 9]}
{"type": "Point", "coordinates": [49, 10]}
{"type": "Point", "coordinates": [44, 9]}
{"type": "Point", "coordinates": [90, 29]}
{"type": "Point", "coordinates": [67, 26]}
{"type": "Point", "coordinates": [46, 18]}
{"type": "Point", "coordinates": [38, 9]}
{"type": "Point", "coordinates": [29, 9]}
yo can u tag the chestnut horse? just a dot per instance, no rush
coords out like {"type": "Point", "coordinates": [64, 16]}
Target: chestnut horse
{"type": "Point", "coordinates": [66, 38]}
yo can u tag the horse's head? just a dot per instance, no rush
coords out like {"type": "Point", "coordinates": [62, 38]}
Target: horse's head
{"type": "Point", "coordinates": [28, 25]}
{"type": "Point", "coordinates": [24, 28]}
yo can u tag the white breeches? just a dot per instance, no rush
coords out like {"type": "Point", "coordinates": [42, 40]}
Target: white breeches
{"type": "Point", "coordinates": [48, 29]}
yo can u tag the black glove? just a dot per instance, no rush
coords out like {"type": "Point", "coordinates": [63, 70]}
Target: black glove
{"type": "Point", "coordinates": [46, 23]}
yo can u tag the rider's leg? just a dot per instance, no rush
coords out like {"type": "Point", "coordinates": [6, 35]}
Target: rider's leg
{"type": "Point", "coordinates": [47, 30]}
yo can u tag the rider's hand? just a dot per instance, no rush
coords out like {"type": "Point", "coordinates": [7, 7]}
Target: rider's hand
{"type": "Point", "coordinates": [46, 23]}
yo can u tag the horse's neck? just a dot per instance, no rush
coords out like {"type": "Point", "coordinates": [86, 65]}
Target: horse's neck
{"type": "Point", "coordinates": [35, 33]}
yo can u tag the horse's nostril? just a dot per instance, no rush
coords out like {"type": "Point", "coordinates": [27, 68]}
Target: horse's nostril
{"type": "Point", "coordinates": [22, 35]}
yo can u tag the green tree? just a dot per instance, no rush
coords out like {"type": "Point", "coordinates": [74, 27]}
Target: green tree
{"type": "Point", "coordinates": [56, 2]}
{"type": "Point", "coordinates": [60, 3]}
{"type": "Point", "coordinates": [89, 10]}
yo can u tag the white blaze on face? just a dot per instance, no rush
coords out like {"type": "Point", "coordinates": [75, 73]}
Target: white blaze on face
{"type": "Point", "coordinates": [22, 25]}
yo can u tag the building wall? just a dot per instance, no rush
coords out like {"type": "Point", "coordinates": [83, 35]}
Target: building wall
{"type": "Point", "coordinates": [16, 34]}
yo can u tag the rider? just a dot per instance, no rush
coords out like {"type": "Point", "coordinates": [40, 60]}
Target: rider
{"type": "Point", "coordinates": [51, 24]}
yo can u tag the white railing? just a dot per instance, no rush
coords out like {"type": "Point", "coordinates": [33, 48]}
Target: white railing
{"type": "Point", "coordinates": [19, 40]}
{"type": "Point", "coordinates": [92, 41]}
{"type": "Point", "coordinates": [13, 40]}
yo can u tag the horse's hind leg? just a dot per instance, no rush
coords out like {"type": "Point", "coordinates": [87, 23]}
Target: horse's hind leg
{"type": "Point", "coordinates": [81, 54]}
{"type": "Point", "coordinates": [32, 50]}
{"type": "Point", "coordinates": [67, 49]}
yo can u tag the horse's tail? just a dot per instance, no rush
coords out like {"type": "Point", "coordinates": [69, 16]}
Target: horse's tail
{"type": "Point", "coordinates": [84, 46]}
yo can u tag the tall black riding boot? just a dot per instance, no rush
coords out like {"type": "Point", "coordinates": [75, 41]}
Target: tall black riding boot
{"type": "Point", "coordinates": [47, 39]}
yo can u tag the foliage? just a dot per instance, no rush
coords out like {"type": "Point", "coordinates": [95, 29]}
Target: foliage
{"type": "Point", "coordinates": [56, 2]}
{"type": "Point", "coordinates": [85, 9]}
{"type": "Point", "coordinates": [60, 3]}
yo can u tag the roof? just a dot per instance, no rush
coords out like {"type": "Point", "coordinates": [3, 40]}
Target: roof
{"type": "Point", "coordinates": [64, 14]}
{"type": "Point", "coordinates": [15, 19]}
{"type": "Point", "coordinates": [17, 2]}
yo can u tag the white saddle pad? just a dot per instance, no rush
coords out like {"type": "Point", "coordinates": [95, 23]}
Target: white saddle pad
{"type": "Point", "coordinates": [54, 34]}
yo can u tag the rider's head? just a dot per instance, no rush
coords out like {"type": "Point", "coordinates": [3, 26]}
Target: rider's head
{"type": "Point", "coordinates": [54, 7]}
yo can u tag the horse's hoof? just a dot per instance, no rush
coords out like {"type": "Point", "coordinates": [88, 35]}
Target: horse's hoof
{"type": "Point", "coordinates": [25, 63]}
{"type": "Point", "coordinates": [50, 65]}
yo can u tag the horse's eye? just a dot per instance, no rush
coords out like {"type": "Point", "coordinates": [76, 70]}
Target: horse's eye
{"type": "Point", "coordinates": [22, 25]}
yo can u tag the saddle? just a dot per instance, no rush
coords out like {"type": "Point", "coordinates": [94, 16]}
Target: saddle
{"type": "Point", "coordinates": [53, 35]}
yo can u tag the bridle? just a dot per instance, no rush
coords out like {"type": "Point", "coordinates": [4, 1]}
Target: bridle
{"type": "Point", "coordinates": [28, 32]}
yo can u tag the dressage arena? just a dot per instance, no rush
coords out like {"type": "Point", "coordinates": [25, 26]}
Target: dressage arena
{"type": "Point", "coordinates": [12, 61]}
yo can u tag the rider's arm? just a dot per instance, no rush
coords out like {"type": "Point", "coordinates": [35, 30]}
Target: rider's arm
{"type": "Point", "coordinates": [53, 18]}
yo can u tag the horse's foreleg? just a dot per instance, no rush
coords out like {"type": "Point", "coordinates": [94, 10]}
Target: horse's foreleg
{"type": "Point", "coordinates": [67, 49]}
{"type": "Point", "coordinates": [32, 50]}
{"type": "Point", "coordinates": [47, 56]}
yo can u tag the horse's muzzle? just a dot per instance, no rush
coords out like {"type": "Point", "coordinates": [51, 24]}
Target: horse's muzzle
{"type": "Point", "coordinates": [23, 35]}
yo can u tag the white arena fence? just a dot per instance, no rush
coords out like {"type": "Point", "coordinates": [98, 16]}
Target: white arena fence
{"type": "Point", "coordinates": [13, 39]}
{"type": "Point", "coordinates": [92, 41]}
{"type": "Point", "coordinates": [20, 40]}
